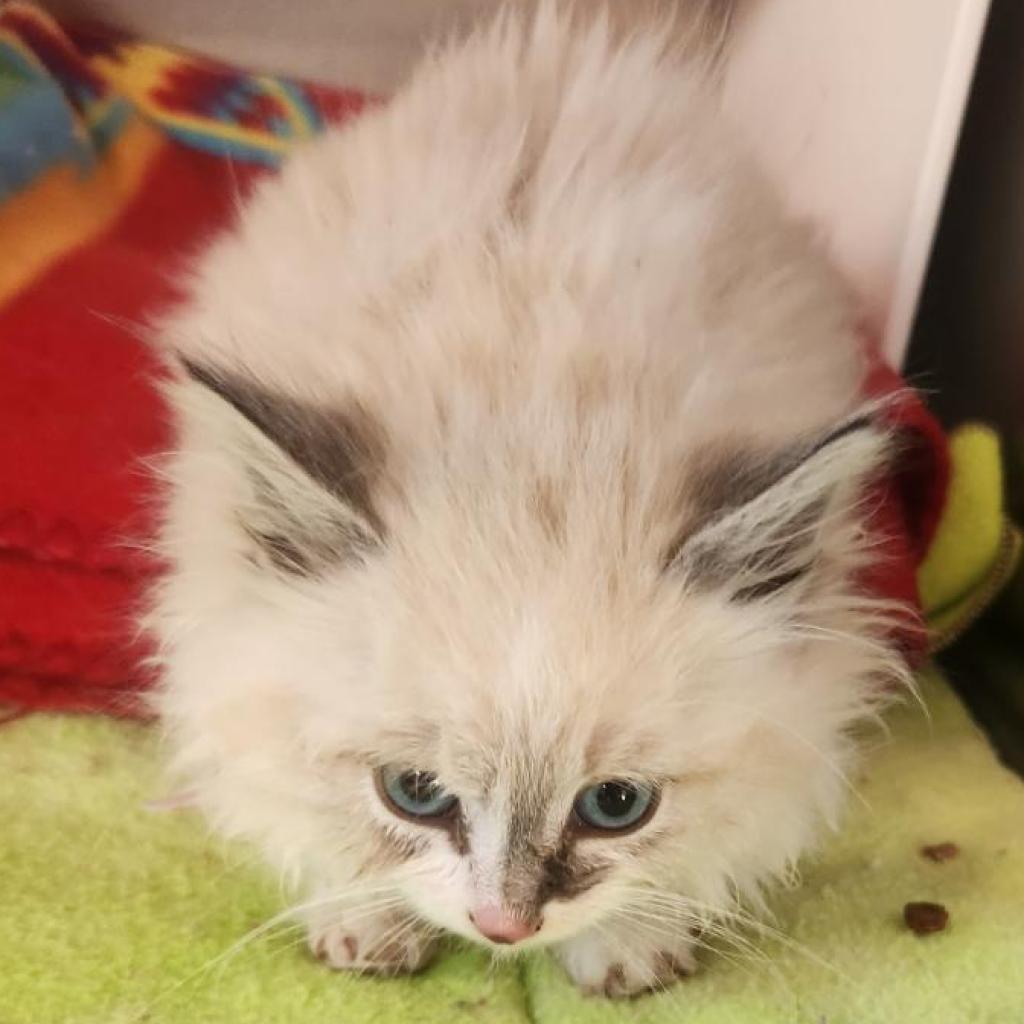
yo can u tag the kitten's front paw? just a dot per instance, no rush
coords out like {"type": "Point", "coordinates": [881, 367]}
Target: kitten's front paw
{"type": "Point", "coordinates": [602, 965]}
{"type": "Point", "coordinates": [383, 944]}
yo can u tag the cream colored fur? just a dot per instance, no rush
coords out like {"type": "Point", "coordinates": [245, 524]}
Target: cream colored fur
{"type": "Point", "coordinates": [547, 276]}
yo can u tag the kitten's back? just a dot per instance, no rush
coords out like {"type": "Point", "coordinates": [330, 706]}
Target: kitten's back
{"type": "Point", "coordinates": [548, 250]}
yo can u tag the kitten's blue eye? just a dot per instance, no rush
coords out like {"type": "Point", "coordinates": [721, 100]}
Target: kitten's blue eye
{"type": "Point", "coordinates": [414, 794]}
{"type": "Point", "coordinates": [615, 806]}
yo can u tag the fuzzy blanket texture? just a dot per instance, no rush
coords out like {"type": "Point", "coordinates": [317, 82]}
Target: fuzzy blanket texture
{"type": "Point", "coordinates": [116, 915]}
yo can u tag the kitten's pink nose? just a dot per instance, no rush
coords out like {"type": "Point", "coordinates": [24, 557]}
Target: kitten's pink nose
{"type": "Point", "coordinates": [499, 926]}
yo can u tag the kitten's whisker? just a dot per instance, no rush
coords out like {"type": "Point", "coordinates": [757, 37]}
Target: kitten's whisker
{"type": "Point", "coordinates": [656, 913]}
{"type": "Point", "coordinates": [363, 910]}
{"type": "Point", "coordinates": [707, 916]}
{"type": "Point", "coordinates": [656, 924]}
{"type": "Point", "coordinates": [221, 959]}
{"type": "Point", "coordinates": [710, 919]}
{"type": "Point", "coordinates": [766, 930]}
{"type": "Point", "coordinates": [745, 959]}
{"type": "Point", "coordinates": [397, 933]}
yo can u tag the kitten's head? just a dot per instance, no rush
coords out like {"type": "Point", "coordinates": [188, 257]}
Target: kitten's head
{"type": "Point", "coordinates": [525, 701]}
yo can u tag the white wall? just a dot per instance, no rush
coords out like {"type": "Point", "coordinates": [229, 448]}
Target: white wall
{"type": "Point", "coordinates": [852, 104]}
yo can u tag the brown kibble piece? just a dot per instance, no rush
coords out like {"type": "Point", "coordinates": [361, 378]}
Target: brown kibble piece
{"type": "Point", "coordinates": [925, 918]}
{"type": "Point", "coordinates": [940, 852]}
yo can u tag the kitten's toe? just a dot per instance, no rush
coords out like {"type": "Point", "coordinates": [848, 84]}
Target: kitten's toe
{"type": "Point", "coordinates": [388, 948]}
{"type": "Point", "coordinates": [670, 966]}
{"type": "Point", "coordinates": [646, 974]}
{"type": "Point", "coordinates": [600, 967]}
{"type": "Point", "coordinates": [335, 947]}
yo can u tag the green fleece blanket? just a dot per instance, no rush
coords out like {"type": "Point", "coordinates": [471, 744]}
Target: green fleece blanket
{"type": "Point", "coordinates": [116, 915]}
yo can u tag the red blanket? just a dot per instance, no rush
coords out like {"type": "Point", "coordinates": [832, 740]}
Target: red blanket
{"type": "Point", "coordinates": [143, 154]}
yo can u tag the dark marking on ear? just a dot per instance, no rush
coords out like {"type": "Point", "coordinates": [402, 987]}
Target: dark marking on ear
{"type": "Point", "coordinates": [723, 481]}
{"type": "Point", "coordinates": [720, 481]}
{"type": "Point", "coordinates": [843, 430]}
{"type": "Point", "coordinates": [770, 586]}
{"type": "Point", "coordinates": [294, 546]}
{"type": "Point", "coordinates": [342, 451]}
{"type": "Point", "coordinates": [284, 553]}
{"type": "Point", "coordinates": [727, 480]}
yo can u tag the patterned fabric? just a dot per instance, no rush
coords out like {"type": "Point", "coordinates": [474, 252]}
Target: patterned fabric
{"type": "Point", "coordinates": [64, 94]}
{"type": "Point", "coordinates": [117, 158]}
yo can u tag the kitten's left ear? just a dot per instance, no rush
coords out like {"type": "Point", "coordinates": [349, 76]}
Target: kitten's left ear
{"type": "Point", "coordinates": [763, 521]}
{"type": "Point", "coordinates": [310, 471]}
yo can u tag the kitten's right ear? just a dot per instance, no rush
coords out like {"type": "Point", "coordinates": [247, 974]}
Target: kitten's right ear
{"type": "Point", "coordinates": [311, 472]}
{"type": "Point", "coordinates": [764, 524]}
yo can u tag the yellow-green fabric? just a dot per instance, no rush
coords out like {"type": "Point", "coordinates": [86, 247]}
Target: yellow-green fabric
{"type": "Point", "coordinates": [112, 914]}
{"type": "Point", "coordinates": [976, 549]}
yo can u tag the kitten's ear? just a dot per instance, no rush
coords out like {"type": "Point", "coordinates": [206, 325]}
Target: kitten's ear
{"type": "Point", "coordinates": [310, 470]}
{"type": "Point", "coordinates": [764, 521]}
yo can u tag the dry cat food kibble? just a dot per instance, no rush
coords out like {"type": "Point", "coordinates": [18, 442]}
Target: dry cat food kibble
{"type": "Point", "coordinates": [940, 852]}
{"type": "Point", "coordinates": [925, 918]}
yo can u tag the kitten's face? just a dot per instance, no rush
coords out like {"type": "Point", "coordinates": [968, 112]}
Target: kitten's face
{"type": "Point", "coordinates": [526, 727]}
{"type": "Point", "coordinates": [524, 766]}
{"type": "Point", "coordinates": [520, 776]}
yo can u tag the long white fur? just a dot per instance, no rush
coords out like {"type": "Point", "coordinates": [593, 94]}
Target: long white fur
{"type": "Point", "coordinates": [545, 263]}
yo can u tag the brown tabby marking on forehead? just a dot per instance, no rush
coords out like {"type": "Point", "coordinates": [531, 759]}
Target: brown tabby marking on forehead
{"type": "Point", "coordinates": [517, 197]}
{"type": "Point", "coordinates": [547, 504]}
{"type": "Point", "coordinates": [590, 385]}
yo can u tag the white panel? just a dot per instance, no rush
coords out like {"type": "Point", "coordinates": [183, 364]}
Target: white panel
{"type": "Point", "coordinates": [854, 106]}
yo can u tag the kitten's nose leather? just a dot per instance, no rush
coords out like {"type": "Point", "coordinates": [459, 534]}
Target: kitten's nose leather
{"type": "Point", "coordinates": [499, 926]}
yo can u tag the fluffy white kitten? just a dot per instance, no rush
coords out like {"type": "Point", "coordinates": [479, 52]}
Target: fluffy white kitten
{"type": "Point", "coordinates": [515, 517]}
